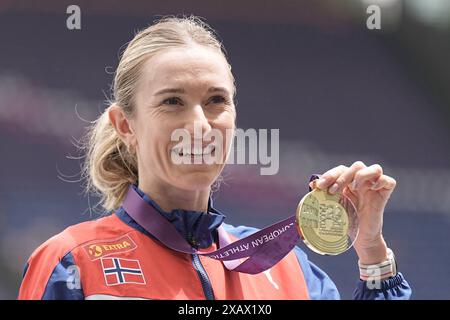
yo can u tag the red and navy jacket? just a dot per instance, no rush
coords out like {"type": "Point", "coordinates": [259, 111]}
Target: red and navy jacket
{"type": "Point", "coordinates": [115, 258]}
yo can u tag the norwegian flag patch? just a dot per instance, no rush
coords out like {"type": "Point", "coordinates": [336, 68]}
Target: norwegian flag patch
{"type": "Point", "coordinates": [121, 271]}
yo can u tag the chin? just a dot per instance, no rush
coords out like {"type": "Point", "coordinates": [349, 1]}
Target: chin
{"type": "Point", "coordinates": [195, 181]}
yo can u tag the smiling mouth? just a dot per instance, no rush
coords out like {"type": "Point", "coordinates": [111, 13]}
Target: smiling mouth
{"type": "Point", "coordinates": [194, 152]}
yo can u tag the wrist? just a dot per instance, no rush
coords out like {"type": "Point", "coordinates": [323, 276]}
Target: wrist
{"type": "Point", "coordinates": [372, 252]}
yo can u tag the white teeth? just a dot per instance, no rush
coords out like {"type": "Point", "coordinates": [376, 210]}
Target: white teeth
{"type": "Point", "coordinates": [194, 151]}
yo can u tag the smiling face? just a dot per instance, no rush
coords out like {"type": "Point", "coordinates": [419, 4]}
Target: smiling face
{"type": "Point", "coordinates": [181, 88]}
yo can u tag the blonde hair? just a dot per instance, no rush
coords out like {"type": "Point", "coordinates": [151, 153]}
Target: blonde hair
{"type": "Point", "coordinates": [109, 166]}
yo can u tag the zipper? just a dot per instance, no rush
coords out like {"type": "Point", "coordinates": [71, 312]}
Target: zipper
{"type": "Point", "coordinates": [206, 283]}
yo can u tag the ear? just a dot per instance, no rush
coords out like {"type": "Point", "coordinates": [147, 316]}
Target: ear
{"type": "Point", "coordinates": [121, 124]}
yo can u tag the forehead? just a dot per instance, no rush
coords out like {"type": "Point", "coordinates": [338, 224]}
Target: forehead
{"type": "Point", "coordinates": [186, 67]}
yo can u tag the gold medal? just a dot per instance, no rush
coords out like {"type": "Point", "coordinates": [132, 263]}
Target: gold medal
{"type": "Point", "coordinates": [327, 223]}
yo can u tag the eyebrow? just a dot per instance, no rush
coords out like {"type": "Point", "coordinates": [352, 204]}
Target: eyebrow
{"type": "Point", "coordinates": [181, 90]}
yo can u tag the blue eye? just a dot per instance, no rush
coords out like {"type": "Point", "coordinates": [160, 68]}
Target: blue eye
{"type": "Point", "coordinates": [172, 101]}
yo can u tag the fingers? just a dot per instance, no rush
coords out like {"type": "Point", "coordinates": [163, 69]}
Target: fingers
{"type": "Point", "coordinates": [368, 177]}
{"type": "Point", "coordinates": [357, 176]}
{"type": "Point", "coordinates": [339, 177]}
{"type": "Point", "coordinates": [328, 178]}
{"type": "Point", "coordinates": [346, 177]}
{"type": "Point", "coordinates": [384, 182]}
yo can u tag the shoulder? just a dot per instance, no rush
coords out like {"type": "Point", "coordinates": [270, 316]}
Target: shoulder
{"type": "Point", "coordinates": [54, 257]}
{"type": "Point", "coordinates": [79, 234]}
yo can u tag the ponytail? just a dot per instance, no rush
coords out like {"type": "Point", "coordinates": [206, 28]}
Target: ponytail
{"type": "Point", "coordinates": [109, 167]}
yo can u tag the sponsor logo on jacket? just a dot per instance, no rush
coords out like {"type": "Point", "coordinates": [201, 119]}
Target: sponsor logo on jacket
{"type": "Point", "coordinates": [104, 248]}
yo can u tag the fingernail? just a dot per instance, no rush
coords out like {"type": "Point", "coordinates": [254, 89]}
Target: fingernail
{"type": "Point", "coordinates": [353, 185]}
{"type": "Point", "coordinates": [333, 188]}
{"type": "Point", "coordinates": [320, 182]}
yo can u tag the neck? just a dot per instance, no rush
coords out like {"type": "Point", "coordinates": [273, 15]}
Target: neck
{"type": "Point", "coordinates": [169, 197]}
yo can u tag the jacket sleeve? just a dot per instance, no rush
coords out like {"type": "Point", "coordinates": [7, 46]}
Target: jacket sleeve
{"type": "Point", "coordinates": [321, 287]}
{"type": "Point", "coordinates": [51, 279]}
{"type": "Point", "coordinates": [396, 288]}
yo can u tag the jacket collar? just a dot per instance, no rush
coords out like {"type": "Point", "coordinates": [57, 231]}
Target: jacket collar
{"type": "Point", "coordinates": [197, 227]}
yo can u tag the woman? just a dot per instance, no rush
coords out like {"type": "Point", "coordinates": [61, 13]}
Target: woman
{"type": "Point", "coordinates": [172, 75]}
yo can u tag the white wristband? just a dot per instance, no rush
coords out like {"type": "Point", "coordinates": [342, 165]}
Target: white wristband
{"type": "Point", "coordinates": [380, 271]}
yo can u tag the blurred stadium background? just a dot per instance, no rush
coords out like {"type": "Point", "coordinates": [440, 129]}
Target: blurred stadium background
{"type": "Point", "coordinates": [337, 91]}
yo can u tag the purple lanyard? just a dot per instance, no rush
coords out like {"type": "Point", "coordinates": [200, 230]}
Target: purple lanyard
{"type": "Point", "coordinates": [263, 249]}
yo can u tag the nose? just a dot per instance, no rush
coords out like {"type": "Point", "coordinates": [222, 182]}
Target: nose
{"type": "Point", "coordinates": [197, 120]}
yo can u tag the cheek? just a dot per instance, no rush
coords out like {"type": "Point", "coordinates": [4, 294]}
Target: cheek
{"type": "Point", "coordinates": [153, 139]}
{"type": "Point", "coordinates": [226, 120]}
{"type": "Point", "coordinates": [226, 125]}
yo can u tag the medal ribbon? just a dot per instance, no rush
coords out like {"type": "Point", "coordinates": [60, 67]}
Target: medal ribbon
{"type": "Point", "coordinates": [252, 254]}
